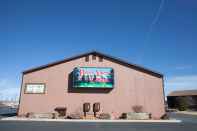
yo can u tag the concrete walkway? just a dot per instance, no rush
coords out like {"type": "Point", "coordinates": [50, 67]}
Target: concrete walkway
{"type": "Point", "coordinates": [81, 120]}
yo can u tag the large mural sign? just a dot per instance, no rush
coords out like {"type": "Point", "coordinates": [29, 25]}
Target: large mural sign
{"type": "Point", "coordinates": [93, 77]}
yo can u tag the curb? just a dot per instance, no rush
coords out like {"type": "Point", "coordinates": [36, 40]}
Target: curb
{"type": "Point", "coordinates": [187, 113]}
{"type": "Point", "coordinates": [93, 121]}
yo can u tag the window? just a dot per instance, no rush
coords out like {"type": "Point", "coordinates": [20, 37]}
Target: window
{"type": "Point", "coordinates": [87, 58]}
{"type": "Point", "coordinates": [34, 88]}
{"type": "Point", "coordinates": [93, 57]}
{"type": "Point", "coordinates": [100, 59]}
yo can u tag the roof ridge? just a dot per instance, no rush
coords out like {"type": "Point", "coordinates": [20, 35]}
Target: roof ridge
{"type": "Point", "coordinates": [112, 58]}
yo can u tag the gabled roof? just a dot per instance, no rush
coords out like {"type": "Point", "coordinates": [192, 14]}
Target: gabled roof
{"type": "Point", "coordinates": [114, 59]}
{"type": "Point", "coordinates": [184, 93]}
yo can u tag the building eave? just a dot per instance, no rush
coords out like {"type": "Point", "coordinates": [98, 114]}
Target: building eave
{"type": "Point", "coordinates": [115, 59]}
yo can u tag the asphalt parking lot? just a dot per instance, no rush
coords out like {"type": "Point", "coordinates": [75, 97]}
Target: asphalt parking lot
{"type": "Point", "coordinates": [52, 126]}
{"type": "Point", "coordinates": [188, 123]}
{"type": "Point", "coordinates": [185, 118]}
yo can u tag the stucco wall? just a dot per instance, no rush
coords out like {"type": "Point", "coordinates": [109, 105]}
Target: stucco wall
{"type": "Point", "coordinates": [131, 88]}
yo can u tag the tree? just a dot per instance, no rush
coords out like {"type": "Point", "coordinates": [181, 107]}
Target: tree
{"type": "Point", "coordinates": [182, 103]}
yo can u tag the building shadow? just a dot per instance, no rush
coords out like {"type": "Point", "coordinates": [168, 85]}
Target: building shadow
{"type": "Point", "coordinates": [98, 90]}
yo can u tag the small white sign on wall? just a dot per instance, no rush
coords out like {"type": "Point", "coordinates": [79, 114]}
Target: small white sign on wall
{"type": "Point", "coordinates": [35, 88]}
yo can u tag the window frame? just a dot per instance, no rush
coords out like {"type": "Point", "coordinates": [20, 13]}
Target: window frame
{"type": "Point", "coordinates": [26, 84]}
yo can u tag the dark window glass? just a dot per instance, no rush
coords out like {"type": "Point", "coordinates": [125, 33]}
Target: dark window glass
{"type": "Point", "coordinates": [87, 58]}
{"type": "Point", "coordinates": [93, 57]}
{"type": "Point", "coordinates": [100, 59]}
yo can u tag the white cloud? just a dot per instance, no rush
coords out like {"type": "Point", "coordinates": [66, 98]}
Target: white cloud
{"type": "Point", "coordinates": [186, 82]}
{"type": "Point", "coordinates": [8, 90]}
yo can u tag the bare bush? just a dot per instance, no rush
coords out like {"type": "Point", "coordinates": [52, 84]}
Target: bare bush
{"type": "Point", "coordinates": [137, 109]}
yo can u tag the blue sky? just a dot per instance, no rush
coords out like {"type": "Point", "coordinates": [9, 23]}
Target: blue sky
{"type": "Point", "coordinates": [159, 35]}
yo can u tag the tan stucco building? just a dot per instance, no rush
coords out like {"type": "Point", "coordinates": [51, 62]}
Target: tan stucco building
{"type": "Point", "coordinates": [133, 85]}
